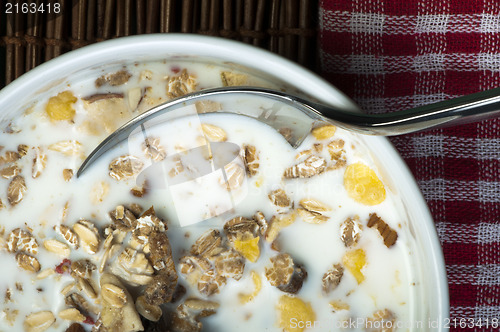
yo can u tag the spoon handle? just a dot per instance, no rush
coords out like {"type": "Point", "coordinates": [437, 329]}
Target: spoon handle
{"type": "Point", "coordinates": [470, 108]}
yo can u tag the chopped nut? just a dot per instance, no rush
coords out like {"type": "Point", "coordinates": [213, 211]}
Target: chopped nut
{"type": "Point", "coordinates": [381, 321]}
{"type": "Point", "coordinates": [350, 231]}
{"type": "Point", "coordinates": [285, 274]}
{"type": "Point", "coordinates": [292, 309]}
{"type": "Point", "coordinates": [389, 235]}
{"type": "Point", "coordinates": [39, 163]}
{"type": "Point", "coordinates": [10, 171]}
{"type": "Point", "coordinates": [114, 79]}
{"type": "Point", "coordinates": [27, 262]}
{"type": "Point", "coordinates": [71, 314]}
{"type": "Point", "coordinates": [125, 167]}
{"type": "Point", "coordinates": [67, 174]}
{"type": "Point", "coordinates": [68, 235]}
{"type": "Point", "coordinates": [208, 244]}
{"type": "Point", "coordinates": [83, 268]}
{"type": "Point", "coordinates": [75, 327]}
{"type": "Point", "coordinates": [313, 165]}
{"type": "Point", "coordinates": [16, 190]}
{"type": "Point", "coordinates": [213, 133]}
{"type": "Point", "coordinates": [229, 264]}
{"type": "Point", "coordinates": [60, 107]}
{"type": "Point", "coordinates": [251, 158]}
{"type": "Point", "coordinates": [332, 278]}
{"type": "Point", "coordinates": [68, 148]}
{"type": "Point", "coordinates": [324, 132]}
{"type": "Point", "coordinates": [150, 312]}
{"type": "Point", "coordinates": [279, 198]}
{"type": "Point", "coordinates": [88, 235]}
{"type": "Point", "coordinates": [57, 247]}
{"type": "Point", "coordinates": [229, 78]}
{"type": "Point", "coordinates": [113, 295]}
{"type": "Point", "coordinates": [39, 321]}
{"type": "Point", "coordinates": [20, 240]}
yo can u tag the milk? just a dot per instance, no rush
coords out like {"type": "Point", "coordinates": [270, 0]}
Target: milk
{"type": "Point", "coordinates": [50, 201]}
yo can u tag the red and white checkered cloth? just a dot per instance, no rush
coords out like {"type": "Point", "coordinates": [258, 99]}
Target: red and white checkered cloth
{"type": "Point", "coordinates": [390, 55]}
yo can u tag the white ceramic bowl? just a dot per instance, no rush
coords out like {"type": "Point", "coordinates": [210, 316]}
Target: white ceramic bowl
{"type": "Point", "coordinates": [430, 302]}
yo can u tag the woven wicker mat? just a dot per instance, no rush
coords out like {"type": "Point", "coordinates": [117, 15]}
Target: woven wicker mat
{"type": "Point", "coordinates": [286, 27]}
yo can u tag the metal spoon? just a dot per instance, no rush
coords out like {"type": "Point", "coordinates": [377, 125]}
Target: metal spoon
{"type": "Point", "coordinates": [283, 110]}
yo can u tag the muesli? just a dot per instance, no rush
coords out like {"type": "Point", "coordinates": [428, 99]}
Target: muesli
{"type": "Point", "coordinates": [277, 238]}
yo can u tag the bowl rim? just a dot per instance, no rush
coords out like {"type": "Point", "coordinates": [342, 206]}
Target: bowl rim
{"type": "Point", "coordinates": [268, 62]}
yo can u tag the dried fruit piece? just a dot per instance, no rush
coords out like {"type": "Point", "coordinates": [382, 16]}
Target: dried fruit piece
{"type": "Point", "coordinates": [75, 327]}
{"type": "Point", "coordinates": [39, 321]}
{"type": "Point", "coordinates": [285, 274]}
{"type": "Point", "coordinates": [180, 85]}
{"type": "Point", "coordinates": [39, 163]}
{"type": "Point", "coordinates": [21, 240]}
{"type": "Point", "coordinates": [250, 156]}
{"type": "Point", "coordinates": [60, 107]}
{"type": "Point", "coordinates": [331, 279]}
{"type": "Point", "coordinates": [88, 235]}
{"type": "Point", "coordinates": [389, 235]}
{"type": "Point", "coordinates": [293, 309]}
{"type": "Point", "coordinates": [27, 262]}
{"type": "Point", "coordinates": [312, 217]}
{"type": "Point", "coordinates": [68, 148]}
{"type": "Point", "coordinates": [10, 171]}
{"type": "Point", "coordinates": [57, 247]}
{"type": "Point", "coordinates": [153, 149]}
{"type": "Point", "coordinates": [279, 198]}
{"type": "Point", "coordinates": [381, 321]}
{"type": "Point", "coordinates": [248, 247]}
{"type": "Point", "coordinates": [16, 190]}
{"type": "Point", "coordinates": [150, 312]}
{"type": "Point", "coordinates": [350, 231]}
{"type": "Point", "coordinates": [355, 261]}
{"type": "Point", "coordinates": [68, 235]}
{"type": "Point", "coordinates": [71, 314]}
{"type": "Point", "coordinates": [114, 79]}
{"type": "Point", "coordinates": [229, 264]}
{"type": "Point", "coordinates": [125, 167]}
{"type": "Point", "coordinates": [313, 165]}
{"type": "Point", "coordinates": [213, 133]}
{"type": "Point", "coordinates": [257, 283]}
{"type": "Point", "coordinates": [324, 132]}
{"type": "Point", "coordinates": [229, 78]}
{"type": "Point", "coordinates": [363, 185]}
